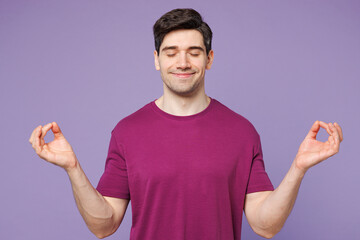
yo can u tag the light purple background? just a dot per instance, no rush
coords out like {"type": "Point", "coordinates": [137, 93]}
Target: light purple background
{"type": "Point", "coordinates": [88, 64]}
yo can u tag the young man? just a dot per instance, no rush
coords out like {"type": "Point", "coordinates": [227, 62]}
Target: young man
{"type": "Point", "coordinates": [189, 164]}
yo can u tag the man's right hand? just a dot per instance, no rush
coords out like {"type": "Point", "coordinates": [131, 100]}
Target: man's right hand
{"type": "Point", "coordinates": [103, 215]}
{"type": "Point", "coordinates": [58, 151]}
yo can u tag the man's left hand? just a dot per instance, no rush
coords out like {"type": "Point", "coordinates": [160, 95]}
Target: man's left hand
{"type": "Point", "coordinates": [312, 151]}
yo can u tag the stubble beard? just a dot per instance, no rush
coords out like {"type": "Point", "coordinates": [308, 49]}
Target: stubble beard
{"type": "Point", "coordinates": [182, 91]}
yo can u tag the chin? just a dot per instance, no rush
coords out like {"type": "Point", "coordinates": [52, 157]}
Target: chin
{"type": "Point", "coordinates": [185, 92]}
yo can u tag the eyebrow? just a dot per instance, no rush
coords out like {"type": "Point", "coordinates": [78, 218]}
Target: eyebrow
{"type": "Point", "coordinates": [189, 48]}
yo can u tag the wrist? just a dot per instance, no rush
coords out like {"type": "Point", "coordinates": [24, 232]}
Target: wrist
{"type": "Point", "coordinates": [72, 167]}
{"type": "Point", "coordinates": [297, 170]}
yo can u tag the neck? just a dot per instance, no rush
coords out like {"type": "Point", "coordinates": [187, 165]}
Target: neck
{"type": "Point", "coordinates": [183, 106]}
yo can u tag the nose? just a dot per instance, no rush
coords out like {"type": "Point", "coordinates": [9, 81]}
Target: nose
{"type": "Point", "coordinates": [183, 61]}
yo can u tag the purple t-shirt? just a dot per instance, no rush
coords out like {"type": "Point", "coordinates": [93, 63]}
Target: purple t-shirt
{"type": "Point", "coordinates": [186, 176]}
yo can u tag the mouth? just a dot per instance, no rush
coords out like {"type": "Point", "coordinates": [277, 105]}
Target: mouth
{"type": "Point", "coordinates": [183, 75]}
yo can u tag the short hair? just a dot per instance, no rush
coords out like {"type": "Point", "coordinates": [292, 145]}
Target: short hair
{"type": "Point", "coordinates": [181, 18]}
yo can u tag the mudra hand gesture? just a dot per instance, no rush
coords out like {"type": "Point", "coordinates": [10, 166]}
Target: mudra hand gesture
{"type": "Point", "coordinates": [312, 151]}
{"type": "Point", "coordinates": [58, 151]}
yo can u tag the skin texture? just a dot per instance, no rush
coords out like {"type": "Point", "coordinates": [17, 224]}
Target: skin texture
{"type": "Point", "coordinates": [180, 53]}
{"type": "Point", "coordinates": [267, 211]}
{"type": "Point", "coordinates": [102, 215]}
{"type": "Point", "coordinates": [183, 95]}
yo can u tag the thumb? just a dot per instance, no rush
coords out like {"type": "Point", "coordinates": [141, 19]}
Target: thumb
{"type": "Point", "coordinates": [314, 130]}
{"type": "Point", "coordinates": [56, 130]}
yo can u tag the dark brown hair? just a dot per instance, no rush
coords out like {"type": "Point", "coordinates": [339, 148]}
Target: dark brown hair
{"type": "Point", "coordinates": [181, 18]}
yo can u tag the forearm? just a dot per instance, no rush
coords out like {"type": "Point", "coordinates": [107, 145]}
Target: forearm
{"type": "Point", "coordinates": [268, 211]}
{"type": "Point", "coordinates": [275, 208]}
{"type": "Point", "coordinates": [96, 212]}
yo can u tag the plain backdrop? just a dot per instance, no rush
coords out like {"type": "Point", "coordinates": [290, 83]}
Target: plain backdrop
{"type": "Point", "coordinates": [88, 64]}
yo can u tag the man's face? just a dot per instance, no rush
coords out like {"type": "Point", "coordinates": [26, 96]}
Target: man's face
{"type": "Point", "coordinates": [182, 61]}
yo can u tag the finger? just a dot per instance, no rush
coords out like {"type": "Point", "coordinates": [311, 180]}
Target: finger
{"type": "Point", "coordinates": [336, 137]}
{"type": "Point", "coordinates": [314, 130]}
{"type": "Point", "coordinates": [31, 139]}
{"type": "Point", "coordinates": [36, 142]}
{"type": "Point", "coordinates": [331, 140]}
{"type": "Point", "coordinates": [44, 131]}
{"type": "Point", "coordinates": [35, 135]}
{"type": "Point", "coordinates": [339, 130]}
{"type": "Point", "coordinates": [56, 130]}
{"type": "Point", "coordinates": [326, 126]}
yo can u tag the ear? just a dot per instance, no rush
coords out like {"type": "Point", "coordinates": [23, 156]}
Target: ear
{"type": "Point", "coordinates": [156, 59]}
{"type": "Point", "coordinates": [210, 59]}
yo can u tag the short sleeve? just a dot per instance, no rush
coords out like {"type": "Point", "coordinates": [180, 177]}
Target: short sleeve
{"type": "Point", "coordinates": [258, 178]}
{"type": "Point", "coordinates": [114, 181]}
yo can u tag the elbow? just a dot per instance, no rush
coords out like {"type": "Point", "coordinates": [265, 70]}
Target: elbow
{"type": "Point", "coordinates": [267, 233]}
{"type": "Point", "coordinates": [103, 234]}
{"type": "Point", "coordinates": [102, 229]}
{"type": "Point", "coordinates": [100, 235]}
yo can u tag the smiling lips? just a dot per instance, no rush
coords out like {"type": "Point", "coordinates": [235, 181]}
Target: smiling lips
{"type": "Point", "coordinates": [183, 75]}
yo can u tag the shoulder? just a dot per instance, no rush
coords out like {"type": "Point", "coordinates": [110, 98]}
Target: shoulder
{"type": "Point", "coordinates": [134, 120]}
{"type": "Point", "coordinates": [235, 120]}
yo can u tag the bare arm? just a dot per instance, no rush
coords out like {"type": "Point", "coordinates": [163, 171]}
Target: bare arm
{"type": "Point", "coordinates": [267, 211]}
{"type": "Point", "coordinates": [102, 215]}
